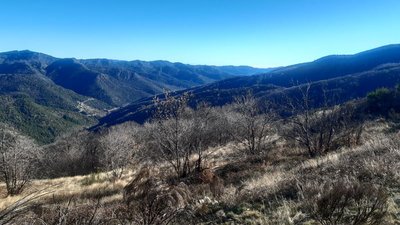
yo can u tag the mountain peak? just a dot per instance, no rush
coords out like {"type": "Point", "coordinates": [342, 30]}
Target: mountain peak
{"type": "Point", "coordinates": [27, 55]}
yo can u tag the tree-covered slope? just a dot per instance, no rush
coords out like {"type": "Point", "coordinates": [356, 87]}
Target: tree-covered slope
{"type": "Point", "coordinates": [44, 96]}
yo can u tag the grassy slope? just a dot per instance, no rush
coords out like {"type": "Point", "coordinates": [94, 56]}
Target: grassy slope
{"type": "Point", "coordinates": [259, 191]}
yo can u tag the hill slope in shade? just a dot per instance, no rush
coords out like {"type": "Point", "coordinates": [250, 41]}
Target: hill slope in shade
{"type": "Point", "coordinates": [346, 76]}
{"type": "Point", "coordinates": [122, 82]}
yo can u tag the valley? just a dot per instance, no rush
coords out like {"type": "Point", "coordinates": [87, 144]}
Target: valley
{"type": "Point", "coordinates": [76, 93]}
{"type": "Point", "coordinates": [200, 112]}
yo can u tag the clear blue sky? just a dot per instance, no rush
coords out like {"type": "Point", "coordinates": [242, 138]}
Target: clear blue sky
{"type": "Point", "coordinates": [260, 33]}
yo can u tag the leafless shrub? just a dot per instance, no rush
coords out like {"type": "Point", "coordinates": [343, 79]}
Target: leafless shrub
{"type": "Point", "coordinates": [324, 129]}
{"type": "Point", "coordinates": [252, 124]}
{"type": "Point", "coordinates": [201, 133]}
{"type": "Point", "coordinates": [65, 157]}
{"type": "Point", "coordinates": [119, 143]}
{"type": "Point", "coordinates": [73, 154]}
{"type": "Point", "coordinates": [346, 202]}
{"type": "Point", "coordinates": [180, 135]}
{"type": "Point", "coordinates": [350, 127]}
{"type": "Point", "coordinates": [169, 132]}
{"type": "Point", "coordinates": [68, 213]}
{"type": "Point", "coordinates": [221, 126]}
{"type": "Point", "coordinates": [18, 156]}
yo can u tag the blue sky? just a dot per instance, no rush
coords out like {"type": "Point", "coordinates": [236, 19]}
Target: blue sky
{"type": "Point", "coordinates": [263, 33]}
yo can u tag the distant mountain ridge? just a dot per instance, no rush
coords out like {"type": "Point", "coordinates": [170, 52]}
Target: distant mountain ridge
{"type": "Point", "coordinates": [117, 82]}
{"type": "Point", "coordinates": [45, 96]}
{"type": "Point", "coordinates": [347, 76]}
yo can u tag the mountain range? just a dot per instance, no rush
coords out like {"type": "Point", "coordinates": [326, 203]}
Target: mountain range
{"type": "Point", "coordinates": [44, 96]}
{"type": "Point", "coordinates": [346, 77]}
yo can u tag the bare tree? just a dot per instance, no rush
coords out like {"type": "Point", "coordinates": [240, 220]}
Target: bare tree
{"type": "Point", "coordinates": [119, 145]}
{"type": "Point", "coordinates": [221, 126]}
{"type": "Point", "coordinates": [320, 129]}
{"type": "Point", "coordinates": [352, 125]}
{"type": "Point", "coordinates": [92, 152]}
{"type": "Point", "coordinates": [17, 157]}
{"type": "Point", "coordinates": [313, 129]}
{"type": "Point", "coordinates": [201, 132]}
{"type": "Point", "coordinates": [66, 157]}
{"type": "Point", "coordinates": [252, 123]}
{"type": "Point", "coordinates": [170, 131]}
{"type": "Point", "coordinates": [181, 134]}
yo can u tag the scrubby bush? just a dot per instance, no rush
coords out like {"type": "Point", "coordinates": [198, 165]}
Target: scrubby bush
{"type": "Point", "coordinates": [69, 213]}
{"type": "Point", "coordinates": [170, 133]}
{"type": "Point", "coordinates": [324, 129]}
{"type": "Point", "coordinates": [346, 202]}
{"type": "Point", "coordinates": [18, 159]}
{"type": "Point", "coordinates": [380, 95]}
{"type": "Point", "coordinates": [252, 124]}
{"type": "Point", "coordinates": [383, 100]}
{"type": "Point", "coordinates": [180, 135]}
{"type": "Point", "coordinates": [119, 147]}
{"type": "Point", "coordinates": [71, 155]}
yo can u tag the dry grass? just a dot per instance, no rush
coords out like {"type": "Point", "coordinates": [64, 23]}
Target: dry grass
{"type": "Point", "coordinates": [65, 188]}
{"type": "Point", "coordinates": [275, 175]}
{"type": "Point", "coordinates": [83, 189]}
{"type": "Point", "coordinates": [249, 180]}
{"type": "Point", "coordinates": [375, 161]}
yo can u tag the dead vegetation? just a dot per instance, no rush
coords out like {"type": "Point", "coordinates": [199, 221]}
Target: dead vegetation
{"type": "Point", "coordinates": [346, 202]}
{"type": "Point", "coordinates": [190, 167]}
